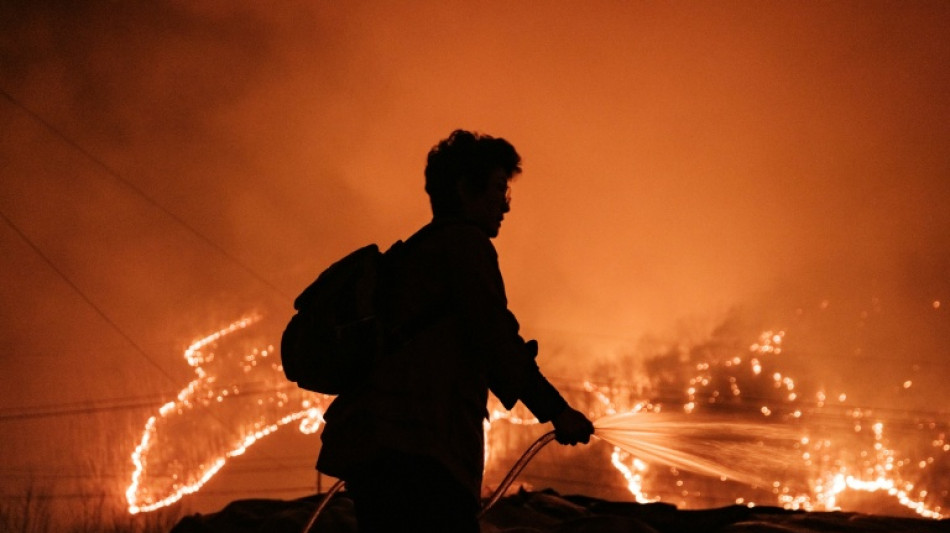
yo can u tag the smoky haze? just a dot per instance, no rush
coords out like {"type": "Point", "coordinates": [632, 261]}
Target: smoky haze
{"type": "Point", "coordinates": [681, 161]}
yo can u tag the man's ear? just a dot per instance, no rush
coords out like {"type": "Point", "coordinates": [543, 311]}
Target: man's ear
{"type": "Point", "coordinates": [464, 190]}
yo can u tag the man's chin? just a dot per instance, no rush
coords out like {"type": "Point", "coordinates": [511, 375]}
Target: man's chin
{"type": "Point", "coordinates": [490, 229]}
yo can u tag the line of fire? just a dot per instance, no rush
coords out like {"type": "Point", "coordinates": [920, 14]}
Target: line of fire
{"type": "Point", "coordinates": [694, 429]}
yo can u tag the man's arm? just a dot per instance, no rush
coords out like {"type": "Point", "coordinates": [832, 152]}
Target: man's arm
{"type": "Point", "coordinates": [492, 329]}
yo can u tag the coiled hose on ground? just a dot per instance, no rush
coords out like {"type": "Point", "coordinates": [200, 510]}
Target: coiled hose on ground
{"type": "Point", "coordinates": [502, 487]}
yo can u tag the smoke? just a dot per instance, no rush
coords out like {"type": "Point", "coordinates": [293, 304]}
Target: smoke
{"type": "Point", "coordinates": [682, 161]}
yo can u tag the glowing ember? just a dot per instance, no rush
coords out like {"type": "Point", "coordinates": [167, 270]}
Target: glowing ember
{"type": "Point", "coordinates": [826, 469]}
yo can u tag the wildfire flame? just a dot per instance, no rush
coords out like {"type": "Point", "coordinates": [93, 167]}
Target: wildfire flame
{"type": "Point", "coordinates": [196, 401]}
{"type": "Point", "coordinates": [165, 469]}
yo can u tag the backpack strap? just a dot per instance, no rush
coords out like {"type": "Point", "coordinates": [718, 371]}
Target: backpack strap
{"type": "Point", "coordinates": [398, 336]}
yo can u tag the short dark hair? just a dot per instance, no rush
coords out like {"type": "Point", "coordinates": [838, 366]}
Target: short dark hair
{"type": "Point", "coordinates": [466, 157]}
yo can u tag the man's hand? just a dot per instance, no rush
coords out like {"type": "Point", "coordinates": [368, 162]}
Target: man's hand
{"type": "Point", "coordinates": [571, 427]}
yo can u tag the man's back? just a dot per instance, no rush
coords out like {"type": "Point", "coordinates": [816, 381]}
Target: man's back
{"type": "Point", "coordinates": [447, 305]}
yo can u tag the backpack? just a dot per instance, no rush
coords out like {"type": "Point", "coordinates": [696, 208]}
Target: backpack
{"type": "Point", "coordinates": [330, 344]}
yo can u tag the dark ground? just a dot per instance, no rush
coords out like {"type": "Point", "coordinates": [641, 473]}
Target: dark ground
{"type": "Point", "coordinates": [546, 511]}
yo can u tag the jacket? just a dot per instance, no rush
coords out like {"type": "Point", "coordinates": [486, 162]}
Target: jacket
{"type": "Point", "coordinates": [454, 339]}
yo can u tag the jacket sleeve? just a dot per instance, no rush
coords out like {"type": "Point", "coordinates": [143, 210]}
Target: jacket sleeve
{"type": "Point", "coordinates": [491, 330]}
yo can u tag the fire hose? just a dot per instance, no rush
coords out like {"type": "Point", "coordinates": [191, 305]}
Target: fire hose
{"type": "Point", "coordinates": [515, 470]}
{"type": "Point", "coordinates": [744, 452]}
{"type": "Point", "coordinates": [502, 487]}
{"type": "Point", "coordinates": [323, 503]}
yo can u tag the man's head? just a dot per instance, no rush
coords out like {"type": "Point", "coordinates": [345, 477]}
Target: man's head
{"type": "Point", "coordinates": [467, 176]}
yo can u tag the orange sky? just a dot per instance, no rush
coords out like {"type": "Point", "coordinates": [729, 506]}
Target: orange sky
{"type": "Point", "coordinates": [680, 159]}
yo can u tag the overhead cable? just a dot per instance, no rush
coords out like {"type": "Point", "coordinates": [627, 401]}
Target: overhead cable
{"type": "Point", "coordinates": [114, 174]}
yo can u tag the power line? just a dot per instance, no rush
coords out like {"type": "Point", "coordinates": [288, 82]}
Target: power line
{"type": "Point", "coordinates": [121, 404]}
{"type": "Point", "coordinates": [102, 314]}
{"type": "Point", "coordinates": [99, 401]}
{"type": "Point", "coordinates": [114, 174]}
{"type": "Point", "coordinates": [76, 411]}
{"type": "Point", "coordinates": [109, 171]}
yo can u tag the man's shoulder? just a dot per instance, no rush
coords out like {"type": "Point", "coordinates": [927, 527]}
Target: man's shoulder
{"type": "Point", "coordinates": [456, 230]}
{"type": "Point", "coordinates": [457, 238]}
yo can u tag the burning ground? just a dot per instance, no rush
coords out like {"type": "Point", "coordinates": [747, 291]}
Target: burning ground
{"type": "Point", "coordinates": [718, 423]}
{"type": "Point", "coordinates": [723, 429]}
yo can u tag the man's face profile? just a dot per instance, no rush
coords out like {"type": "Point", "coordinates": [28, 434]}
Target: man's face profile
{"type": "Point", "coordinates": [487, 208]}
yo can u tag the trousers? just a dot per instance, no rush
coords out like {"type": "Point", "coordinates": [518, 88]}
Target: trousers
{"type": "Point", "coordinates": [405, 492]}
